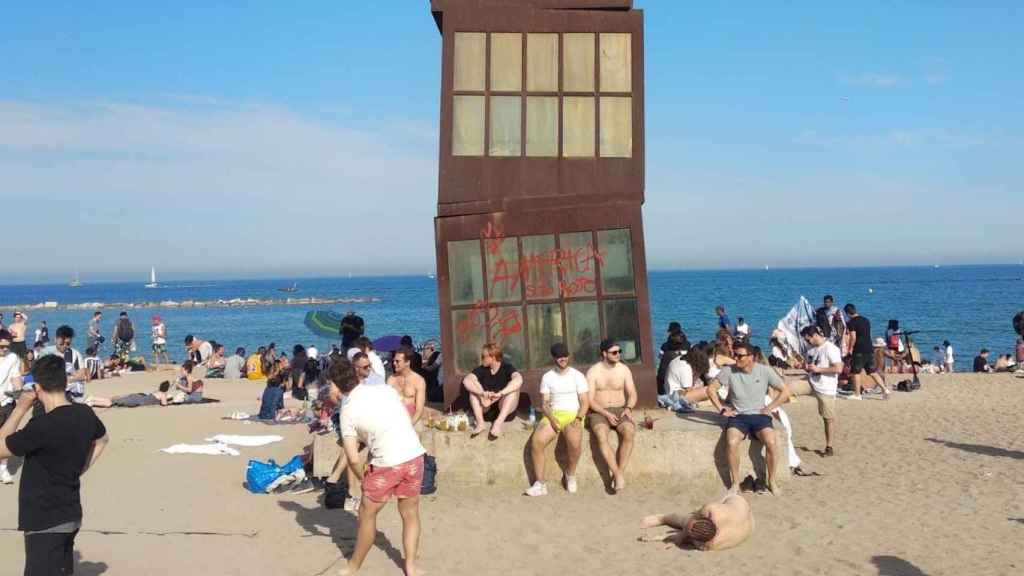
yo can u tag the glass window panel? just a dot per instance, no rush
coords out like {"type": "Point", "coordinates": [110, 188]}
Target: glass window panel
{"type": "Point", "coordinates": [616, 127]}
{"type": "Point", "coordinates": [505, 328]}
{"type": "Point", "coordinates": [506, 126]}
{"type": "Point", "coordinates": [622, 324]}
{"type": "Point", "coordinates": [503, 282]}
{"type": "Point", "coordinates": [541, 126]}
{"type": "Point", "coordinates": [545, 328]}
{"type": "Point", "coordinates": [506, 61]}
{"type": "Point", "coordinates": [616, 257]}
{"type": "Point", "coordinates": [576, 260]}
{"type": "Point", "coordinates": [542, 62]}
{"type": "Point", "coordinates": [470, 48]}
{"type": "Point", "coordinates": [465, 272]}
{"type": "Point", "coordinates": [578, 63]}
{"type": "Point", "coordinates": [469, 338]}
{"type": "Point", "coordinates": [583, 331]}
{"type": "Point", "coordinates": [538, 265]}
{"type": "Point", "coordinates": [578, 126]}
{"type": "Point", "coordinates": [468, 126]}
{"type": "Point", "coordinates": [616, 63]}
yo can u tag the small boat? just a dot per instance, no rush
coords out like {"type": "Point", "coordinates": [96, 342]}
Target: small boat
{"type": "Point", "coordinates": [75, 282]}
{"type": "Point", "coordinates": [293, 288]}
{"type": "Point", "coordinates": [152, 279]}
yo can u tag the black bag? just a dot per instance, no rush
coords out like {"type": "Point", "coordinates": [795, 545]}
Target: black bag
{"type": "Point", "coordinates": [125, 331]}
{"type": "Point", "coordinates": [908, 385]}
{"type": "Point", "coordinates": [1018, 323]}
{"type": "Point", "coordinates": [335, 494]}
{"type": "Point", "coordinates": [429, 475]}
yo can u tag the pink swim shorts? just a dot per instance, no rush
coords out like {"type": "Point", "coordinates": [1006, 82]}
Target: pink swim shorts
{"type": "Point", "coordinates": [403, 480]}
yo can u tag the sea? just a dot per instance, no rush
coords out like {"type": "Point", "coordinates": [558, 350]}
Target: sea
{"type": "Point", "coordinates": [971, 306]}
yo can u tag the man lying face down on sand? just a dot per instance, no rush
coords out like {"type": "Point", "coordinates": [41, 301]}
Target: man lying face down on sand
{"type": "Point", "coordinates": [722, 524]}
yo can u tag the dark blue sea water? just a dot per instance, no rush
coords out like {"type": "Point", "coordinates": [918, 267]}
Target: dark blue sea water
{"type": "Point", "coordinates": [971, 306]}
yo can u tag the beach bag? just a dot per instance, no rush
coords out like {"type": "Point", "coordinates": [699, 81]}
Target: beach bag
{"type": "Point", "coordinates": [259, 475]}
{"type": "Point", "coordinates": [125, 330]}
{"type": "Point", "coordinates": [429, 485]}
{"type": "Point", "coordinates": [335, 494]}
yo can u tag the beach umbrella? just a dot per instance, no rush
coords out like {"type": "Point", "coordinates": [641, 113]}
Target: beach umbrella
{"type": "Point", "coordinates": [387, 343]}
{"type": "Point", "coordinates": [323, 323]}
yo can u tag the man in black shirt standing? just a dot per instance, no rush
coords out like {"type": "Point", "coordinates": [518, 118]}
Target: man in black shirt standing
{"type": "Point", "coordinates": [352, 327]}
{"type": "Point", "coordinates": [863, 359]}
{"type": "Point", "coordinates": [58, 447]}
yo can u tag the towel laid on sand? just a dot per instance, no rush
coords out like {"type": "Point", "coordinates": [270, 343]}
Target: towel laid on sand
{"type": "Point", "coordinates": [208, 449]}
{"type": "Point", "coordinates": [239, 440]}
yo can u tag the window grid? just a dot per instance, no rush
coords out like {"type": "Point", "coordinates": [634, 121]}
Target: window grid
{"type": "Point", "coordinates": [560, 95]}
{"type": "Point", "coordinates": [598, 297]}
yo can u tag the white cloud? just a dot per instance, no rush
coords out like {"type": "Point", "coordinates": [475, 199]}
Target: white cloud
{"type": "Point", "coordinates": [217, 187]}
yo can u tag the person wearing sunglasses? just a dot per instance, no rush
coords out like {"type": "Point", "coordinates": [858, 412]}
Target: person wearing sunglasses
{"type": "Point", "coordinates": [10, 380]}
{"type": "Point", "coordinates": [612, 397]}
{"type": "Point", "coordinates": [748, 383]}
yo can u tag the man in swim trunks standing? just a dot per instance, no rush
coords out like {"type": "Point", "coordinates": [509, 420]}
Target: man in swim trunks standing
{"type": "Point", "coordinates": [748, 383]}
{"type": "Point", "coordinates": [564, 391]}
{"type": "Point", "coordinates": [375, 416]}
{"type": "Point", "coordinates": [411, 387]}
{"type": "Point", "coordinates": [718, 525]}
{"type": "Point", "coordinates": [612, 397]}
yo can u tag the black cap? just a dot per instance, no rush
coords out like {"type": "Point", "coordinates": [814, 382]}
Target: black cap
{"type": "Point", "coordinates": [674, 327]}
{"type": "Point", "coordinates": [607, 343]}
{"type": "Point", "coordinates": [559, 350]}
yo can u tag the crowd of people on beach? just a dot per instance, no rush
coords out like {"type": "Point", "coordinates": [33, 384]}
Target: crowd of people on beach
{"type": "Point", "coordinates": [373, 400]}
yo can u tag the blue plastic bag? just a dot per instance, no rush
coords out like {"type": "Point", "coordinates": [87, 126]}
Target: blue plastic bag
{"type": "Point", "coordinates": [294, 464]}
{"type": "Point", "coordinates": [259, 475]}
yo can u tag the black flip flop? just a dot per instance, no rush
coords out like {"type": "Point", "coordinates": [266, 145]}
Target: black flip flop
{"type": "Point", "coordinates": [492, 437]}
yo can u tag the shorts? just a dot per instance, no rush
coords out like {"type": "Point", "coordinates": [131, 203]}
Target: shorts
{"type": "Point", "coordinates": [159, 348]}
{"type": "Point", "coordinates": [862, 363]}
{"type": "Point", "coordinates": [599, 419]}
{"type": "Point", "coordinates": [50, 553]}
{"type": "Point", "coordinates": [750, 423]}
{"type": "Point", "coordinates": [19, 348]}
{"type": "Point", "coordinates": [411, 409]}
{"type": "Point", "coordinates": [563, 417]}
{"type": "Point", "coordinates": [826, 404]}
{"type": "Point", "coordinates": [402, 481]}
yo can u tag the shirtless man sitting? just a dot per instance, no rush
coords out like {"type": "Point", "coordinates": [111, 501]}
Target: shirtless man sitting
{"type": "Point", "coordinates": [411, 387]}
{"type": "Point", "coordinates": [722, 524]}
{"type": "Point", "coordinates": [612, 396]}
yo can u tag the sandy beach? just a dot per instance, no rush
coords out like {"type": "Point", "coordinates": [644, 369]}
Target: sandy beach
{"type": "Point", "coordinates": [926, 483]}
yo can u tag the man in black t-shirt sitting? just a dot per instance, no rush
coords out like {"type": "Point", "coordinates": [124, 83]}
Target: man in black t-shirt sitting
{"type": "Point", "coordinates": [981, 361]}
{"type": "Point", "coordinates": [492, 386]}
{"type": "Point", "coordinates": [58, 447]}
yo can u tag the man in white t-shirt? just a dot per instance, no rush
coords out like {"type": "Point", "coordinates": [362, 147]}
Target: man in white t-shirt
{"type": "Point", "coordinates": [564, 393]}
{"type": "Point", "coordinates": [159, 337]}
{"type": "Point", "coordinates": [375, 416]}
{"type": "Point", "coordinates": [824, 364]}
{"type": "Point", "coordinates": [10, 381]}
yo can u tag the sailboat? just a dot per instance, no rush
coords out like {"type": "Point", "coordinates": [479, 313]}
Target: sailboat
{"type": "Point", "coordinates": [293, 288]}
{"type": "Point", "coordinates": [152, 279]}
{"type": "Point", "coordinates": [75, 282]}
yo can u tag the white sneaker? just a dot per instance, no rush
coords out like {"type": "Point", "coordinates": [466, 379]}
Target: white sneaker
{"type": "Point", "coordinates": [570, 484]}
{"type": "Point", "coordinates": [351, 504]}
{"type": "Point", "coordinates": [538, 489]}
{"type": "Point", "coordinates": [5, 477]}
{"type": "Point", "coordinates": [854, 397]}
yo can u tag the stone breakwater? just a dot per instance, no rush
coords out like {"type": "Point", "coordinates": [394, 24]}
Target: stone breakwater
{"type": "Point", "coordinates": [234, 302]}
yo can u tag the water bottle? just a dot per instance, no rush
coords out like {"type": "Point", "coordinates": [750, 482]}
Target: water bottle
{"type": "Point", "coordinates": [533, 416]}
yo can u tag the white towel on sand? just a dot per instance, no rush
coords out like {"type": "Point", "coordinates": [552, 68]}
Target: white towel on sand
{"type": "Point", "coordinates": [239, 440]}
{"type": "Point", "coordinates": [209, 449]}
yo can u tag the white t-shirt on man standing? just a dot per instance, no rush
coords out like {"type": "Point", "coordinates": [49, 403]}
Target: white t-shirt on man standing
{"type": "Point", "coordinates": [377, 417]}
{"type": "Point", "coordinates": [564, 388]}
{"type": "Point", "coordinates": [825, 356]}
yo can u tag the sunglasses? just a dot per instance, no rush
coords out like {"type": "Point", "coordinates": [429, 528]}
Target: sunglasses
{"type": "Point", "coordinates": [738, 356]}
{"type": "Point", "coordinates": [615, 352]}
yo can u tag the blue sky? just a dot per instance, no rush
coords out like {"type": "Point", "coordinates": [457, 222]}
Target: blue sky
{"type": "Point", "coordinates": [211, 139]}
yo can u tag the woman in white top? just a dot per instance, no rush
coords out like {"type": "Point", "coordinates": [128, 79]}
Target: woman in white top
{"type": "Point", "coordinates": [564, 393]}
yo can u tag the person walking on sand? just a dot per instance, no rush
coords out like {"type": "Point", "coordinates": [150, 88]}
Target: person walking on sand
{"type": "Point", "coordinates": [863, 360]}
{"type": "Point", "coordinates": [612, 397]}
{"type": "Point", "coordinates": [947, 348]}
{"type": "Point", "coordinates": [824, 365]}
{"type": "Point", "coordinates": [159, 337]}
{"type": "Point", "coordinates": [748, 383]}
{"type": "Point", "coordinates": [563, 391]}
{"type": "Point", "coordinates": [375, 416]}
{"type": "Point", "coordinates": [94, 338]}
{"type": "Point", "coordinates": [58, 447]}
{"type": "Point", "coordinates": [718, 525]}
{"type": "Point", "coordinates": [123, 337]}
